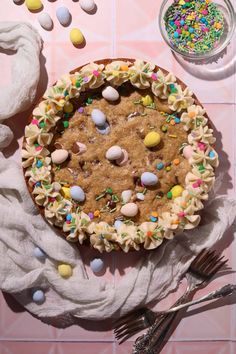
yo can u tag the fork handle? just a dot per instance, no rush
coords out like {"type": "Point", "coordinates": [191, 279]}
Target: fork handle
{"type": "Point", "coordinates": [161, 325]}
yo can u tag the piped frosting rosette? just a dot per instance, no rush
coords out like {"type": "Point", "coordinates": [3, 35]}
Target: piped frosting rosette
{"type": "Point", "coordinates": [78, 227]}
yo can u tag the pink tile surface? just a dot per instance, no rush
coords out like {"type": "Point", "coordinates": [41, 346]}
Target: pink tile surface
{"type": "Point", "coordinates": [129, 29]}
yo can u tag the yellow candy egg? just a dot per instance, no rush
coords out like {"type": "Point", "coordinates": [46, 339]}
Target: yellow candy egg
{"type": "Point", "coordinates": [177, 191]}
{"type": "Point", "coordinates": [147, 100]}
{"type": "Point", "coordinates": [68, 108]}
{"type": "Point", "coordinates": [66, 192]}
{"type": "Point", "coordinates": [76, 36]}
{"type": "Point", "coordinates": [65, 270]}
{"type": "Point", "coordinates": [33, 5]}
{"type": "Point", "coordinates": [152, 139]}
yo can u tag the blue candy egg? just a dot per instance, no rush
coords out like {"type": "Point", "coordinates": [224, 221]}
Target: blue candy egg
{"type": "Point", "coordinates": [38, 296]}
{"type": "Point", "coordinates": [63, 15]}
{"type": "Point", "coordinates": [39, 254]}
{"type": "Point", "coordinates": [118, 224]}
{"type": "Point", "coordinates": [160, 166]}
{"type": "Point", "coordinates": [104, 130]}
{"type": "Point", "coordinates": [98, 117]}
{"type": "Point", "coordinates": [149, 179]}
{"type": "Point", "coordinates": [77, 193]}
{"type": "Point", "coordinates": [97, 265]}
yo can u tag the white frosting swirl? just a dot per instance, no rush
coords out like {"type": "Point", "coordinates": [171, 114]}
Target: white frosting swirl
{"type": "Point", "coordinates": [140, 74]}
{"type": "Point", "coordinates": [92, 75]}
{"type": "Point", "coordinates": [203, 135]}
{"type": "Point", "coordinates": [117, 72]}
{"type": "Point", "coordinates": [34, 134]}
{"type": "Point", "coordinates": [181, 99]}
{"type": "Point", "coordinates": [160, 87]}
{"type": "Point", "coordinates": [152, 235]}
{"type": "Point", "coordinates": [77, 227]}
{"type": "Point", "coordinates": [30, 153]}
{"type": "Point", "coordinates": [127, 237]}
{"type": "Point", "coordinates": [194, 117]}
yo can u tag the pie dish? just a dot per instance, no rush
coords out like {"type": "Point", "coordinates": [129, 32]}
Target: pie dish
{"type": "Point", "coordinates": [119, 155]}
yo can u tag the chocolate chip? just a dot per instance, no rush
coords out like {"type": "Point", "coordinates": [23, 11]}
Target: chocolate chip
{"type": "Point", "coordinates": [82, 165]}
{"type": "Point", "coordinates": [137, 180]}
{"type": "Point", "coordinates": [140, 134]}
{"type": "Point", "coordinates": [58, 145]}
{"type": "Point", "coordinates": [160, 195]}
{"type": "Point", "coordinates": [75, 148]}
{"type": "Point", "coordinates": [111, 204]}
{"type": "Point", "coordinates": [60, 126]}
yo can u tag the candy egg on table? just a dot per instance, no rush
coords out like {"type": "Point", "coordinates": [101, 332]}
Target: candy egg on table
{"type": "Point", "coordinates": [98, 117]}
{"type": "Point", "coordinates": [45, 21]}
{"type": "Point", "coordinates": [176, 191]}
{"type": "Point", "coordinates": [65, 270]}
{"type": "Point", "coordinates": [114, 153]}
{"type": "Point", "coordinates": [149, 179]}
{"type": "Point", "coordinates": [126, 195]}
{"type": "Point", "coordinates": [87, 5]}
{"type": "Point", "coordinates": [38, 296]}
{"type": "Point", "coordinates": [152, 139]}
{"type": "Point", "coordinates": [129, 209]}
{"type": "Point", "coordinates": [97, 265]}
{"type": "Point", "coordinates": [188, 151]}
{"type": "Point", "coordinates": [59, 156]}
{"type": "Point", "coordinates": [63, 15]}
{"type": "Point", "coordinates": [17, 1]}
{"type": "Point", "coordinates": [33, 5]}
{"type": "Point", "coordinates": [110, 94]}
{"type": "Point", "coordinates": [76, 36]}
{"type": "Point", "coordinates": [77, 193]}
{"type": "Point", "coordinates": [122, 161]}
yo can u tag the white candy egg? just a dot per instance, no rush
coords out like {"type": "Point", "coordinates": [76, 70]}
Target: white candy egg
{"type": "Point", "coordinates": [114, 153]}
{"type": "Point", "coordinates": [77, 193]}
{"type": "Point", "coordinates": [122, 161]}
{"type": "Point", "coordinates": [59, 156]}
{"type": "Point", "coordinates": [98, 117]}
{"type": "Point", "coordinates": [45, 21]}
{"type": "Point", "coordinates": [188, 151]}
{"type": "Point", "coordinates": [110, 94]}
{"type": "Point", "coordinates": [149, 179]}
{"type": "Point", "coordinates": [104, 130]}
{"type": "Point", "coordinates": [126, 195]}
{"type": "Point", "coordinates": [87, 5]}
{"type": "Point", "coordinates": [130, 210]}
{"type": "Point", "coordinates": [63, 15]}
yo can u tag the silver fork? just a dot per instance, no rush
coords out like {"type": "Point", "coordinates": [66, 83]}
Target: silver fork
{"type": "Point", "coordinates": [201, 270]}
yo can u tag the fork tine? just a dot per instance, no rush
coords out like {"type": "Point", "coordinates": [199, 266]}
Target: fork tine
{"type": "Point", "coordinates": [218, 267]}
{"type": "Point", "coordinates": [201, 258]}
{"type": "Point", "coordinates": [128, 326]}
{"type": "Point", "coordinates": [122, 338]}
{"type": "Point", "coordinates": [132, 315]}
{"type": "Point", "coordinates": [215, 261]}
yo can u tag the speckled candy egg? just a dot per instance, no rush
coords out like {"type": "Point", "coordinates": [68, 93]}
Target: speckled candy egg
{"type": "Point", "coordinates": [63, 15]}
{"type": "Point", "coordinates": [126, 195]}
{"type": "Point", "coordinates": [97, 265]}
{"type": "Point", "coordinates": [77, 193]}
{"type": "Point", "coordinates": [149, 179]}
{"type": "Point", "coordinates": [130, 210]}
{"type": "Point", "coordinates": [33, 5]}
{"type": "Point", "coordinates": [188, 151]}
{"type": "Point", "coordinates": [98, 117]}
{"type": "Point", "coordinates": [152, 139]}
{"type": "Point", "coordinates": [59, 156]}
{"type": "Point", "coordinates": [110, 94]}
{"type": "Point", "coordinates": [114, 153]}
{"type": "Point", "coordinates": [45, 21]}
{"type": "Point", "coordinates": [38, 297]}
{"type": "Point", "coordinates": [87, 5]}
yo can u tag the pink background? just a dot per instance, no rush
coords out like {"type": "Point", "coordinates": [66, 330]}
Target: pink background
{"type": "Point", "coordinates": [130, 29]}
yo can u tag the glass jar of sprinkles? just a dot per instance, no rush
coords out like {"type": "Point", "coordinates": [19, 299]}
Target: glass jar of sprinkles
{"type": "Point", "coordinates": [197, 29]}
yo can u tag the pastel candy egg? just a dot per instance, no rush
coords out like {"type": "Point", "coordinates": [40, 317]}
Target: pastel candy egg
{"type": "Point", "coordinates": [126, 195]}
{"type": "Point", "coordinates": [79, 148]}
{"type": "Point", "coordinates": [122, 161]}
{"type": "Point", "coordinates": [130, 210]}
{"type": "Point", "coordinates": [97, 265]}
{"type": "Point", "coordinates": [118, 224]}
{"type": "Point", "coordinates": [17, 1]}
{"type": "Point", "coordinates": [110, 94]}
{"type": "Point", "coordinates": [152, 139]}
{"type": "Point", "coordinates": [114, 153]}
{"type": "Point", "coordinates": [149, 179]}
{"type": "Point", "coordinates": [65, 270]}
{"type": "Point", "coordinates": [104, 130]}
{"type": "Point", "coordinates": [177, 191]}
{"type": "Point", "coordinates": [38, 296]}
{"type": "Point", "coordinates": [63, 15]}
{"type": "Point", "coordinates": [76, 36]}
{"type": "Point", "coordinates": [87, 5]}
{"type": "Point", "coordinates": [98, 117]}
{"type": "Point", "coordinates": [77, 193]}
{"type": "Point", "coordinates": [39, 254]}
{"type": "Point", "coordinates": [33, 5]}
{"type": "Point", "coordinates": [45, 21]}
{"type": "Point", "coordinates": [188, 151]}
{"type": "Point", "coordinates": [59, 156]}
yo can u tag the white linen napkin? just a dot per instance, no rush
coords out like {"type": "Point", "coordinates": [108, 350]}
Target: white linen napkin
{"type": "Point", "coordinates": [22, 228]}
